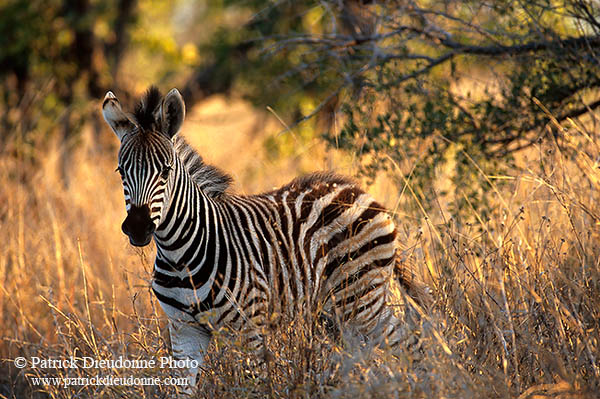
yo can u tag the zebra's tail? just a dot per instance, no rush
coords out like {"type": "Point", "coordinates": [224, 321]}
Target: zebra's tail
{"type": "Point", "coordinates": [404, 274]}
{"type": "Point", "coordinates": [411, 300]}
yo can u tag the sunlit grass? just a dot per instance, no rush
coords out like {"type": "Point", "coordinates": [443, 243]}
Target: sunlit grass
{"type": "Point", "coordinates": [515, 294]}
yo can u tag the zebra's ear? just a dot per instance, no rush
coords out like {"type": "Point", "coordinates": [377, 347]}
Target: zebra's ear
{"type": "Point", "coordinates": [115, 117]}
{"type": "Point", "coordinates": [172, 113]}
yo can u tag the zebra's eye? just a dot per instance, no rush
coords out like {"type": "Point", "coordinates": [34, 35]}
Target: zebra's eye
{"type": "Point", "coordinates": [165, 172]}
{"type": "Point", "coordinates": [120, 170]}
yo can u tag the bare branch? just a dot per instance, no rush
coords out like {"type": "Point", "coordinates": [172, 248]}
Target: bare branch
{"type": "Point", "coordinates": [435, 62]}
{"type": "Point", "coordinates": [580, 111]}
{"type": "Point", "coordinates": [569, 43]}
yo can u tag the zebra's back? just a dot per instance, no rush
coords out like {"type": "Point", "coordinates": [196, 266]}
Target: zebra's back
{"type": "Point", "coordinates": [323, 244]}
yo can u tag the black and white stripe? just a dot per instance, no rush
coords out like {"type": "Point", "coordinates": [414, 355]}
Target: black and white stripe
{"type": "Point", "coordinates": [319, 242]}
{"type": "Point", "coordinates": [317, 236]}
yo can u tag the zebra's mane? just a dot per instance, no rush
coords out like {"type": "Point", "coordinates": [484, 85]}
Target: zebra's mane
{"type": "Point", "coordinates": [146, 108]}
{"type": "Point", "coordinates": [210, 179]}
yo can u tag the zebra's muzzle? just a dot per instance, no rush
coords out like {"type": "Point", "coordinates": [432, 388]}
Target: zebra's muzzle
{"type": "Point", "coordinates": [138, 226]}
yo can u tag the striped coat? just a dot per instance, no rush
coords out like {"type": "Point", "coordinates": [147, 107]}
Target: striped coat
{"type": "Point", "coordinates": [319, 245]}
{"type": "Point", "coordinates": [319, 241]}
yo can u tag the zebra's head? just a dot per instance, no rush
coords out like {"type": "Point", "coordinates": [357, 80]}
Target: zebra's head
{"type": "Point", "coordinates": [146, 157]}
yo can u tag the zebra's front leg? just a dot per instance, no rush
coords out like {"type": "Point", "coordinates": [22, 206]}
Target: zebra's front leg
{"type": "Point", "coordinates": [189, 342]}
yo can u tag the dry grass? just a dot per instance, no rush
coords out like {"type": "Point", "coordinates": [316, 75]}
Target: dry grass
{"type": "Point", "coordinates": [516, 296]}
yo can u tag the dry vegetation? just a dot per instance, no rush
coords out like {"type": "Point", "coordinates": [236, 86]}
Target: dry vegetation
{"type": "Point", "coordinates": [516, 295]}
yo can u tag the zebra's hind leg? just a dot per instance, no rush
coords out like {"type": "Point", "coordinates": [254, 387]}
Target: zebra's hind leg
{"type": "Point", "coordinates": [404, 334]}
{"type": "Point", "coordinates": [189, 342]}
{"type": "Point", "coordinates": [404, 329]}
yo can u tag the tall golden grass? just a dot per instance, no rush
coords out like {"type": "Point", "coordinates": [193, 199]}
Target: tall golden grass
{"type": "Point", "coordinates": [516, 294]}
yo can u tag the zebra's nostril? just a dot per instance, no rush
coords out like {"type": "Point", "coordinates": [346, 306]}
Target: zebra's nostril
{"type": "Point", "coordinates": [150, 228]}
{"type": "Point", "coordinates": [124, 228]}
{"type": "Point", "coordinates": [138, 225]}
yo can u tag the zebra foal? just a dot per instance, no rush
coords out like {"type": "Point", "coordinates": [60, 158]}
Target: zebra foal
{"type": "Point", "coordinates": [319, 243]}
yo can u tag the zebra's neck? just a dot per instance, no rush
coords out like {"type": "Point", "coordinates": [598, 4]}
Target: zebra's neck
{"type": "Point", "coordinates": [182, 236]}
